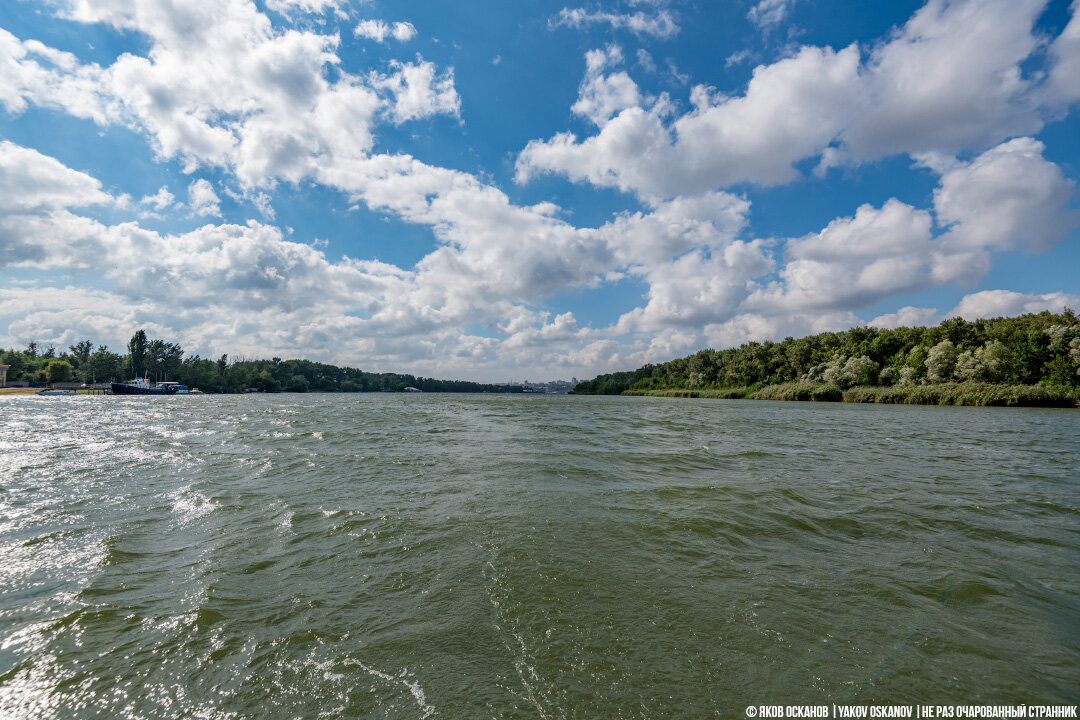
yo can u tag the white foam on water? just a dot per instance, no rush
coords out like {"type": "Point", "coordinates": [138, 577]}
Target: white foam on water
{"type": "Point", "coordinates": [526, 672]}
{"type": "Point", "coordinates": [286, 521]}
{"type": "Point", "coordinates": [403, 679]}
{"type": "Point", "coordinates": [189, 505]}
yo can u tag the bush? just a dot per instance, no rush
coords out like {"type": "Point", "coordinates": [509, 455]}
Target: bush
{"type": "Point", "coordinates": [941, 361]}
{"type": "Point", "coordinates": [812, 391]}
{"type": "Point", "coordinates": [971, 394]}
{"type": "Point", "coordinates": [59, 371]}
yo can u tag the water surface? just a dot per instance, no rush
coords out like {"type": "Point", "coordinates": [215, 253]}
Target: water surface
{"type": "Point", "coordinates": [412, 556]}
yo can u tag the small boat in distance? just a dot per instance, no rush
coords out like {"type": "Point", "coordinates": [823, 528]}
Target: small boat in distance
{"type": "Point", "coordinates": [55, 392]}
{"type": "Point", "coordinates": [143, 386]}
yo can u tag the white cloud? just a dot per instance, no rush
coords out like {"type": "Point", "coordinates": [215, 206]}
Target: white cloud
{"type": "Point", "coordinates": [378, 30]}
{"type": "Point", "coordinates": [1008, 198]}
{"type": "Point", "coordinates": [418, 90]}
{"type": "Point", "coordinates": [768, 13]}
{"type": "Point", "coordinates": [640, 241]}
{"type": "Point", "coordinates": [600, 95]}
{"type": "Point", "coordinates": [983, 304]}
{"type": "Point", "coordinates": [645, 60]}
{"type": "Point", "coordinates": [31, 72]}
{"type": "Point", "coordinates": [32, 182]}
{"type": "Point", "coordinates": [1063, 86]}
{"type": "Point", "coordinates": [309, 7]}
{"type": "Point", "coordinates": [202, 199]}
{"type": "Point", "coordinates": [853, 262]}
{"type": "Point", "coordinates": [660, 24]}
{"type": "Point", "coordinates": [36, 226]}
{"type": "Point", "coordinates": [758, 327]}
{"type": "Point", "coordinates": [1002, 303]}
{"type": "Point", "coordinates": [907, 316]}
{"type": "Point", "coordinates": [160, 200]}
{"type": "Point", "coordinates": [949, 80]}
{"type": "Point", "coordinates": [697, 289]}
{"type": "Point", "coordinates": [403, 31]}
{"type": "Point", "coordinates": [222, 87]}
{"type": "Point", "coordinates": [791, 110]}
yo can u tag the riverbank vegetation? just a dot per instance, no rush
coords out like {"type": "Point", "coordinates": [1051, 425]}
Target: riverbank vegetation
{"type": "Point", "coordinates": [1031, 360]}
{"type": "Point", "coordinates": [84, 362]}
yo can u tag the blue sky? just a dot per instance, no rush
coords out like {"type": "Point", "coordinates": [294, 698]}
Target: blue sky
{"type": "Point", "coordinates": [492, 189]}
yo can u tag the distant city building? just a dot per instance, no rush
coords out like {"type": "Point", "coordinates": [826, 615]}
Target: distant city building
{"type": "Point", "coordinates": [554, 387]}
{"type": "Point", "coordinates": [3, 375]}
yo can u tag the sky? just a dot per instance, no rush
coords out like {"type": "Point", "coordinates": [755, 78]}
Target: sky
{"type": "Point", "coordinates": [487, 189]}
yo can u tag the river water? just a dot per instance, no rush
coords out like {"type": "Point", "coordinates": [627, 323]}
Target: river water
{"type": "Point", "coordinates": [455, 556]}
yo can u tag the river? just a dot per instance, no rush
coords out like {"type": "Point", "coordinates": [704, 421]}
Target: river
{"type": "Point", "coordinates": [457, 556]}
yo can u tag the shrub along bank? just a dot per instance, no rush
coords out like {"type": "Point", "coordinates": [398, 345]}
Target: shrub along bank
{"type": "Point", "coordinates": [1030, 360]}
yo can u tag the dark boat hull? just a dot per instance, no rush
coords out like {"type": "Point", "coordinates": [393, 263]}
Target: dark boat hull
{"type": "Point", "coordinates": [125, 389]}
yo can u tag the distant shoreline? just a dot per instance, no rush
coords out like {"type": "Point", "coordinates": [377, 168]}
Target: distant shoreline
{"type": "Point", "coordinates": [954, 394]}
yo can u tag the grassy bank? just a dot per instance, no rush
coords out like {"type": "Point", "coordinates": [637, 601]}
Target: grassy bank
{"type": "Point", "coordinates": [721, 393]}
{"type": "Point", "coordinates": [968, 394]}
{"type": "Point", "coordinates": [972, 394]}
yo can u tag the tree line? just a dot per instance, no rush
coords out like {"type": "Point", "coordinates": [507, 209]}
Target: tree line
{"type": "Point", "coordinates": [1033, 349]}
{"type": "Point", "coordinates": [160, 360]}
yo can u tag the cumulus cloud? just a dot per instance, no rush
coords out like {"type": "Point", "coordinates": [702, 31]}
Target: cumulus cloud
{"type": "Point", "coordinates": [660, 24]}
{"type": "Point", "coordinates": [1008, 198]}
{"type": "Point", "coordinates": [697, 289]}
{"type": "Point", "coordinates": [907, 316]}
{"type": "Point", "coordinates": [949, 80]}
{"type": "Point", "coordinates": [1000, 303]}
{"type": "Point", "coordinates": [379, 31]}
{"type": "Point", "coordinates": [791, 110]}
{"type": "Point", "coordinates": [983, 304]}
{"type": "Point", "coordinates": [202, 199]}
{"type": "Point", "coordinates": [602, 96]}
{"type": "Point", "coordinates": [32, 182]}
{"type": "Point", "coordinates": [36, 224]}
{"type": "Point", "coordinates": [1063, 86]}
{"type": "Point", "coordinates": [495, 258]}
{"type": "Point", "coordinates": [223, 87]}
{"type": "Point", "coordinates": [768, 13]}
{"type": "Point", "coordinates": [418, 91]}
{"type": "Point", "coordinates": [308, 7]}
{"type": "Point", "coordinates": [160, 200]}
{"type": "Point", "coordinates": [31, 72]}
{"type": "Point", "coordinates": [853, 262]}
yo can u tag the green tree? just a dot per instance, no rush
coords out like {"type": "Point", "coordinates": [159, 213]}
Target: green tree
{"type": "Point", "coordinates": [81, 350]}
{"type": "Point", "coordinates": [103, 366]}
{"type": "Point", "coordinates": [941, 361]}
{"type": "Point", "coordinates": [163, 358]}
{"type": "Point", "coordinates": [59, 371]}
{"type": "Point", "coordinates": [136, 361]}
{"type": "Point", "coordinates": [15, 361]}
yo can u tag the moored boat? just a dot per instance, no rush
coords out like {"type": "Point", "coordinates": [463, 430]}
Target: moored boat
{"type": "Point", "coordinates": [143, 386]}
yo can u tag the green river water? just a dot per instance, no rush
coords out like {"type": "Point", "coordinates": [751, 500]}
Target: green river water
{"type": "Point", "coordinates": [456, 556]}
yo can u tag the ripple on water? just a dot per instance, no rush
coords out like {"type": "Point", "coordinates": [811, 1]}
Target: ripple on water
{"type": "Point", "coordinates": [455, 556]}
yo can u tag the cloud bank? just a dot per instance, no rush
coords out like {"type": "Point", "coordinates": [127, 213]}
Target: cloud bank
{"type": "Point", "coordinates": [224, 92]}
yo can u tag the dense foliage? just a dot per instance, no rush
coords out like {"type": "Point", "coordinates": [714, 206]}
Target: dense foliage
{"type": "Point", "coordinates": [1037, 349]}
{"type": "Point", "coordinates": [162, 360]}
